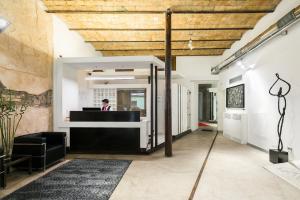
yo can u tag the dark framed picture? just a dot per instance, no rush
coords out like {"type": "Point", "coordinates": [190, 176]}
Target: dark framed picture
{"type": "Point", "coordinates": [235, 96]}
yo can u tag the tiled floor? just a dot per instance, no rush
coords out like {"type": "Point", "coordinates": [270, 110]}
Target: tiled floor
{"type": "Point", "coordinates": [233, 171]}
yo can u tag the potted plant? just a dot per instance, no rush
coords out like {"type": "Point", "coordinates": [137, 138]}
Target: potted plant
{"type": "Point", "coordinates": [11, 113]}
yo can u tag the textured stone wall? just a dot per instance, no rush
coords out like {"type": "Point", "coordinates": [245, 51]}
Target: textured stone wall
{"type": "Point", "coordinates": [26, 60]}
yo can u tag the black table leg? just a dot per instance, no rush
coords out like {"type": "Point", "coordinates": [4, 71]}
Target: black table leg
{"type": "Point", "coordinates": [2, 180]}
{"type": "Point", "coordinates": [2, 171]}
{"type": "Point", "coordinates": [30, 165]}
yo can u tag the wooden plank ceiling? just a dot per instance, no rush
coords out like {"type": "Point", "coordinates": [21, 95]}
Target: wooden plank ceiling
{"type": "Point", "coordinates": [136, 27]}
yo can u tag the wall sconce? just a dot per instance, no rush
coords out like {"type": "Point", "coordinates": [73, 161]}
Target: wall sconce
{"type": "Point", "coordinates": [245, 67]}
{"type": "Point", "coordinates": [3, 24]}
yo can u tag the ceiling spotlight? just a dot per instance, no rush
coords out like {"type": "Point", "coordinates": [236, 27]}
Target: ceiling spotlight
{"type": "Point", "coordinates": [190, 44]}
{"type": "Point", "coordinates": [252, 66]}
{"type": "Point", "coordinates": [3, 24]}
{"type": "Point", "coordinates": [240, 63]}
{"type": "Point", "coordinates": [245, 66]}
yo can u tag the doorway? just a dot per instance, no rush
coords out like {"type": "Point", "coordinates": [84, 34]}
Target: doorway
{"type": "Point", "coordinates": [207, 106]}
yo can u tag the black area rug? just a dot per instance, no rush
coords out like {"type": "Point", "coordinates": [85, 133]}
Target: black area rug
{"type": "Point", "coordinates": [75, 180]}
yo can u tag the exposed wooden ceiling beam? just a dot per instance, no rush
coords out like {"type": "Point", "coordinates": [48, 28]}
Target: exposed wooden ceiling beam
{"type": "Point", "coordinates": [161, 6]}
{"type": "Point", "coordinates": [160, 45]}
{"type": "Point", "coordinates": [156, 21]}
{"type": "Point", "coordinates": [137, 27]}
{"type": "Point", "coordinates": [159, 35]}
{"type": "Point", "coordinates": [204, 52]}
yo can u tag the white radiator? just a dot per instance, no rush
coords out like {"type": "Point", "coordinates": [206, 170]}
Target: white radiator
{"type": "Point", "coordinates": [235, 127]}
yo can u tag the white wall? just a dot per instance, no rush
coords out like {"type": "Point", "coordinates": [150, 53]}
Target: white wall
{"type": "Point", "coordinates": [85, 90]}
{"type": "Point", "coordinates": [281, 55]}
{"type": "Point", "coordinates": [197, 67]}
{"type": "Point", "coordinates": [70, 91]}
{"type": "Point", "coordinates": [69, 43]}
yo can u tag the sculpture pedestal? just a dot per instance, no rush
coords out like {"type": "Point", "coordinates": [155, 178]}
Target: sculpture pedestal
{"type": "Point", "coordinates": [277, 156]}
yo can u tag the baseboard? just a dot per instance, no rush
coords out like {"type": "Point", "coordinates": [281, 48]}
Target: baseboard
{"type": "Point", "coordinates": [143, 151]}
{"type": "Point", "coordinates": [139, 152]}
{"type": "Point", "coordinates": [234, 139]}
{"type": "Point", "coordinates": [160, 146]}
{"type": "Point", "coordinates": [180, 135]}
{"type": "Point", "coordinates": [258, 148]}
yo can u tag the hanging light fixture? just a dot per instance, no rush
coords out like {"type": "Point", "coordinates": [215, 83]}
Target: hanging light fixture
{"type": "Point", "coordinates": [190, 44]}
{"type": "Point", "coordinates": [3, 24]}
{"type": "Point", "coordinates": [101, 78]}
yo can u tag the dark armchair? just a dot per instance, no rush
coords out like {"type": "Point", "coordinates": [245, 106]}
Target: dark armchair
{"type": "Point", "coordinates": [46, 148]}
{"type": "Point", "coordinates": [2, 172]}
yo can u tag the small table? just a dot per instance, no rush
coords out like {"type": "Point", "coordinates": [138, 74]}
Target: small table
{"type": "Point", "coordinates": [15, 161]}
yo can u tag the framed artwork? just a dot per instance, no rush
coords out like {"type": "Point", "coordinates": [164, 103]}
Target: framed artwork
{"type": "Point", "coordinates": [235, 96]}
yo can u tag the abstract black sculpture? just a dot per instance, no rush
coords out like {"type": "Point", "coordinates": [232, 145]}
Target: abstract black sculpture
{"type": "Point", "coordinates": [279, 156]}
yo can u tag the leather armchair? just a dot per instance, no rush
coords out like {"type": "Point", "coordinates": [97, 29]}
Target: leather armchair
{"type": "Point", "coordinates": [46, 148]}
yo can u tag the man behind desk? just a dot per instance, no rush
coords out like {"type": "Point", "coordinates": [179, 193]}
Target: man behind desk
{"type": "Point", "coordinates": [105, 105]}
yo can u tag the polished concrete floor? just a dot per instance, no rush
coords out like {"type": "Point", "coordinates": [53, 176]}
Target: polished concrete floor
{"type": "Point", "coordinates": [156, 177]}
{"type": "Point", "coordinates": [233, 171]}
{"type": "Point", "coordinates": [236, 172]}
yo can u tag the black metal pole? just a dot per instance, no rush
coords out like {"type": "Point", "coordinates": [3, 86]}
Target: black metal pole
{"type": "Point", "coordinates": [152, 113]}
{"type": "Point", "coordinates": [156, 103]}
{"type": "Point", "coordinates": [168, 99]}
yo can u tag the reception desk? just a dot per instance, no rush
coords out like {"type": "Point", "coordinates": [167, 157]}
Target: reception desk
{"type": "Point", "coordinates": [111, 116]}
{"type": "Point", "coordinates": [106, 132]}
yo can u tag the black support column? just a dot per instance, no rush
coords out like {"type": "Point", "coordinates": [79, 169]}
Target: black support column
{"type": "Point", "coordinates": [168, 99]}
{"type": "Point", "coordinates": [152, 106]}
{"type": "Point", "coordinates": [156, 105]}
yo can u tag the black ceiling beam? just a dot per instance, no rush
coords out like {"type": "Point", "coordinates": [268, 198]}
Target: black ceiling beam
{"type": "Point", "coordinates": [160, 49]}
{"type": "Point", "coordinates": [103, 12]}
{"type": "Point", "coordinates": [215, 54]}
{"type": "Point", "coordinates": [164, 41]}
{"type": "Point", "coordinates": [175, 29]}
{"type": "Point", "coordinates": [223, 12]}
{"type": "Point", "coordinates": [161, 12]}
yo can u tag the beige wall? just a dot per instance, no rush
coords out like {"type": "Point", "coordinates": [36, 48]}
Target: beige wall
{"type": "Point", "coordinates": [26, 57]}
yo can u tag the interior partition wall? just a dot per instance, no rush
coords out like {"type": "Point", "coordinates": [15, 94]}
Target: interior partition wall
{"type": "Point", "coordinates": [158, 95]}
{"type": "Point", "coordinates": [73, 91]}
{"type": "Point", "coordinates": [181, 109]}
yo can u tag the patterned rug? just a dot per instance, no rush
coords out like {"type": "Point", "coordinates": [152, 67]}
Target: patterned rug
{"type": "Point", "coordinates": [75, 180]}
